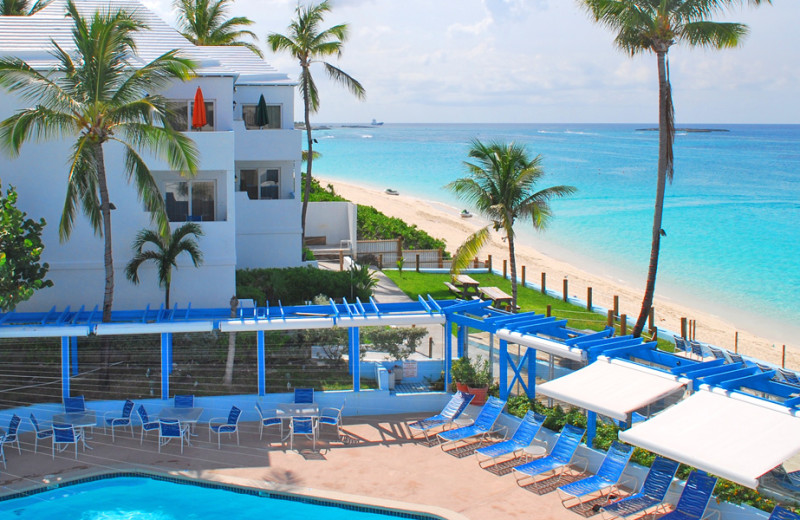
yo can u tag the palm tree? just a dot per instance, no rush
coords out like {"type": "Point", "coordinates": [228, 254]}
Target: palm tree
{"type": "Point", "coordinates": [501, 186]}
{"type": "Point", "coordinates": [308, 43]}
{"type": "Point", "coordinates": [97, 96]}
{"type": "Point", "coordinates": [203, 22]}
{"type": "Point", "coordinates": [21, 7]}
{"type": "Point", "coordinates": [655, 26]}
{"type": "Point", "coordinates": [165, 252]}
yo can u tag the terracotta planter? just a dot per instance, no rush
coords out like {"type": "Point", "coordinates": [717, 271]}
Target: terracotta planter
{"type": "Point", "coordinates": [461, 387]}
{"type": "Point", "coordinates": [480, 395]}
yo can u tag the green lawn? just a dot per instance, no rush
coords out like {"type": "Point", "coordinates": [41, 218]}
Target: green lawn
{"type": "Point", "coordinates": [415, 284]}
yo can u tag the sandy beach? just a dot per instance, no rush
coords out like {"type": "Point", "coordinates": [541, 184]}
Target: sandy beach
{"type": "Point", "coordinates": [444, 221]}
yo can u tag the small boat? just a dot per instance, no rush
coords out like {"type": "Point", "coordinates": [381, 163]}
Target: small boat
{"type": "Point", "coordinates": [376, 122]}
{"type": "Point", "coordinates": [390, 191]}
{"type": "Point", "coordinates": [466, 214]}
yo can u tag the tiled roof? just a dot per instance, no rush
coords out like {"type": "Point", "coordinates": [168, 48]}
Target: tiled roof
{"type": "Point", "coordinates": [29, 38]}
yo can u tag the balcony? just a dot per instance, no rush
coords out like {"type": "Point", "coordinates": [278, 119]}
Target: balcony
{"type": "Point", "coordinates": [267, 145]}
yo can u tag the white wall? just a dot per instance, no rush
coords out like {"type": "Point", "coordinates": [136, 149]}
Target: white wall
{"type": "Point", "coordinates": [268, 232]}
{"type": "Point", "coordinates": [336, 221]}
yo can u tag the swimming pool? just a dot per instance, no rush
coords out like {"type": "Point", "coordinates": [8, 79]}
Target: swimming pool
{"type": "Point", "coordinates": [145, 497]}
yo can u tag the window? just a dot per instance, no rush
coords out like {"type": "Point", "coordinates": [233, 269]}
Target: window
{"type": "Point", "coordinates": [260, 183]}
{"type": "Point", "coordinates": [190, 201]}
{"type": "Point", "coordinates": [180, 115]}
{"type": "Point", "coordinates": [273, 116]}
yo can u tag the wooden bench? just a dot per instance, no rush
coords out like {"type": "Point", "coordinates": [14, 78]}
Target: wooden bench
{"type": "Point", "coordinates": [500, 298]}
{"type": "Point", "coordinates": [453, 289]}
{"type": "Point", "coordinates": [315, 241]}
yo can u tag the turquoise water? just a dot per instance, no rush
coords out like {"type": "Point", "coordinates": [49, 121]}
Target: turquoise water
{"type": "Point", "coordinates": [732, 214]}
{"type": "Point", "coordinates": [132, 498]}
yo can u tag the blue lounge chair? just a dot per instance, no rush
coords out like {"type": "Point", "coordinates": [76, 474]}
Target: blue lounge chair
{"type": "Point", "coordinates": [122, 421]}
{"type": "Point", "coordinates": [455, 406]}
{"type": "Point", "coordinates": [303, 395]}
{"type": "Point", "coordinates": [694, 499]}
{"type": "Point", "coordinates": [680, 344]}
{"type": "Point", "coordinates": [606, 478]}
{"type": "Point", "coordinates": [780, 513]}
{"type": "Point", "coordinates": [652, 494]}
{"type": "Point", "coordinates": [147, 424]}
{"type": "Point", "coordinates": [557, 461]}
{"type": "Point", "coordinates": [229, 426]}
{"type": "Point", "coordinates": [789, 377]}
{"type": "Point", "coordinates": [523, 437]}
{"type": "Point", "coordinates": [40, 433]}
{"type": "Point", "coordinates": [483, 425]}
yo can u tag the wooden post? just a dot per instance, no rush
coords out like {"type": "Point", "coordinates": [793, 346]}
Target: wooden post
{"type": "Point", "coordinates": [736, 343]}
{"type": "Point", "coordinates": [616, 305]}
{"type": "Point", "coordinates": [566, 293]}
{"type": "Point", "coordinates": [380, 262]}
{"type": "Point", "coordinates": [623, 324]}
{"type": "Point", "coordinates": [417, 261]}
{"type": "Point", "coordinates": [652, 319]}
{"type": "Point", "coordinates": [505, 268]}
{"type": "Point", "coordinates": [476, 262]}
{"type": "Point", "coordinates": [549, 310]}
{"type": "Point", "coordinates": [610, 319]}
{"type": "Point", "coordinates": [683, 328]}
{"type": "Point", "coordinates": [489, 262]}
{"type": "Point", "coordinates": [441, 259]}
{"type": "Point", "coordinates": [341, 260]}
{"type": "Point", "coordinates": [544, 283]}
{"type": "Point", "coordinates": [523, 276]}
{"type": "Point", "coordinates": [399, 247]}
{"type": "Point", "coordinates": [589, 299]}
{"type": "Point", "coordinates": [783, 357]}
{"type": "Point", "coordinates": [430, 348]}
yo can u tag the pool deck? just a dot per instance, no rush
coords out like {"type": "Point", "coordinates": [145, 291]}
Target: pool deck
{"type": "Point", "coordinates": [376, 458]}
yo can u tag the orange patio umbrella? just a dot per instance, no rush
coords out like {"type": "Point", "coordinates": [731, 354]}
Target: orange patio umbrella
{"type": "Point", "coordinates": [199, 110]}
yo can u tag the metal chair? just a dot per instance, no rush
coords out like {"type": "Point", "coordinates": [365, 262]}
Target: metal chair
{"type": "Point", "coordinates": [303, 395]}
{"type": "Point", "coordinates": [40, 433]}
{"type": "Point", "coordinates": [267, 420]}
{"type": "Point", "coordinates": [332, 417]}
{"type": "Point", "coordinates": [231, 425]}
{"type": "Point", "coordinates": [121, 421]}
{"type": "Point", "coordinates": [64, 435]}
{"type": "Point", "coordinates": [74, 404]}
{"type": "Point", "coordinates": [184, 401]}
{"type": "Point", "coordinates": [171, 429]}
{"type": "Point", "coordinates": [11, 436]}
{"type": "Point", "coordinates": [147, 424]}
{"type": "Point", "coordinates": [305, 426]}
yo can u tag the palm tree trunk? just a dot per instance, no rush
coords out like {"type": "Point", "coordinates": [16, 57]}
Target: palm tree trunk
{"type": "Point", "coordinates": [227, 378]}
{"type": "Point", "coordinates": [664, 164]}
{"type": "Point", "coordinates": [108, 260]}
{"type": "Point", "coordinates": [309, 161]}
{"type": "Point", "coordinates": [512, 259]}
{"type": "Point", "coordinates": [166, 294]}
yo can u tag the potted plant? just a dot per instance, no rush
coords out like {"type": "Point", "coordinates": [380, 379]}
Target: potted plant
{"type": "Point", "coordinates": [472, 377]}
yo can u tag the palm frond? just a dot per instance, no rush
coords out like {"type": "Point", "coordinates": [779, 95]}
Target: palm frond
{"type": "Point", "coordinates": [469, 249]}
{"type": "Point", "coordinates": [343, 78]}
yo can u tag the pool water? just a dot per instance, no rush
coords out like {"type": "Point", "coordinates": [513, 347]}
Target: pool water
{"type": "Point", "coordinates": [143, 498]}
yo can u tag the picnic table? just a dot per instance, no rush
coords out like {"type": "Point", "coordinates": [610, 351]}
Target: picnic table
{"type": "Point", "coordinates": [468, 285]}
{"type": "Point", "coordinates": [500, 298]}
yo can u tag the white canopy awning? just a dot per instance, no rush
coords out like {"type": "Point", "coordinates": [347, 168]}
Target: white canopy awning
{"type": "Point", "coordinates": [543, 344]}
{"type": "Point", "coordinates": [737, 437]}
{"type": "Point", "coordinates": [614, 388]}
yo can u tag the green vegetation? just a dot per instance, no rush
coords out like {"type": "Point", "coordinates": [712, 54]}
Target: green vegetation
{"type": "Point", "coordinates": [607, 433]}
{"type": "Point", "coordinates": [20, 250]}
{"type": "Point", "coordinates": [374, 225]}
{"type": "Point", "coordinates": [296, 285]}
{"type": "Point", "coordinates": [203, 22]}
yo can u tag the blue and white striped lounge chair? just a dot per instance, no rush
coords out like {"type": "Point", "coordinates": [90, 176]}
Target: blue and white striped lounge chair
{"type": "Point", "coordinates": [483, 425]}
{"type": "Point", "coordinates": [606, 478]}
{"type": "Point", "coordinates": [780, 513]}
{"type": "Point", "coordinates": [303, 395]}
{"type": "Point", "coordinates": [523, 437]}
{"type": "Point", "coordinates": [652, 494]}
{"type": "Point", "coordinates": [122, 421]}
{"type": "Point", "coordinates": [229, 425]}
{"type": "Point", "coordinates": [454, 408]}
{"type": "Point", "coordinates": [556, 462]}
{"type": "Point", "coordinates": [694, 499]}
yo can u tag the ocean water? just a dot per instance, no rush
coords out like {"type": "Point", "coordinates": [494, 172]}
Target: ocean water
{"type": "Point", "coordinates": [732, 213]}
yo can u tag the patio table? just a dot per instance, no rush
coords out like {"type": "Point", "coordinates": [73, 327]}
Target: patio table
{"type": "Point", "coordinates": [288, 410]}
{"type": "Point", "coordinates": [78, 420]}
{"type": "Point", "coordinates": [185, 416]}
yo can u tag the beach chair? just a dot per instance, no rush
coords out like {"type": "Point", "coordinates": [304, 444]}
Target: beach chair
{"type": "Point", "coordinates": [454, 408]}
{"type": "Point", "coordinates": [40, 433]}
{"type": "Point", "coordinates": [147, 424]}
{"type": "Point", "coordinates": [652, 494]}
{"type": "Point", "coordinates": [267, 420]}
{"type": "Point", "coordinates": [74, 404]}
{"type": "Point", "coordinates": [736, 358]}
{"type": "Point", "coordinates": [303, 395]}
{"type": "Point", "coordinates": [332, 417]}
{"type": "Point", "coordinates": [229, 425]}
{"type": "Point", "coordinates": [483, 425]}
{"type": "Point", "coordinates": [718, 353]}
{"type": "Point", "coordinates": [63, 436]}
{"type": "Point", "coordinates": [184, 401]}
{"type": "Point", "coordinates": [789, 377]}
{"type": "Point", "coordinates": [556, 462]}
{"type": "Point", "coordinates": [780, 513]}
{"type": "Point", "coordinates": [606, 478]}
{"type": "Point", "coordinates": [680, 344]}
{"type": "Point", "coordinates": [523, 436]}
{"type": "Point", "coordinates": [11, 436]}
{"type": "Point", "coordinates": [694, 499]}
{"type": "Point", "coordinates": [122, 421]}
{"type": "Point", "coordinates": [696, 348]}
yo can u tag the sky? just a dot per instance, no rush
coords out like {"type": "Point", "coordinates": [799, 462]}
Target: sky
{"type": "Point", "coordinates": [533, 61]}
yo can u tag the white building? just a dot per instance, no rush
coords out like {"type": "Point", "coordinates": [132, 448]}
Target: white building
{"type": "Point", "coordinates": [245, 194]}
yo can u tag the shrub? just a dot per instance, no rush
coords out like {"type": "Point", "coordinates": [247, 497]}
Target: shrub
{"type": "Point", "coordinates": [296, 285]}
